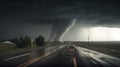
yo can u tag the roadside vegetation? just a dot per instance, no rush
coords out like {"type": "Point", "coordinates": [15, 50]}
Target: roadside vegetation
{"type": "Point", "coordinates": [40, 40]}
{"type": "Point", "coordinates": [20, 43]}
{"type": "Point", "coordinates": [6, 46]}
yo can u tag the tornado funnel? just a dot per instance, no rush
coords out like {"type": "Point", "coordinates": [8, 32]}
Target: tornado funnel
{"type": "Point", "coordinates": [60, 29]}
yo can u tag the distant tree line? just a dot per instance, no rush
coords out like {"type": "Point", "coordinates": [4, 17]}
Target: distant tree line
{"type": "Point", "coordinates": [22, 41]}
{"type": "Point", "coordinates": [26, 41]}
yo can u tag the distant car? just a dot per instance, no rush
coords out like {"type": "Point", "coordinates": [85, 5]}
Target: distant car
{"type": "Point", "coordinates": [71, 48]}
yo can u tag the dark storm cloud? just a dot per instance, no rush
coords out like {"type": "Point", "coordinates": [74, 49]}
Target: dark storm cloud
{"type": "Point", "coordinates": [39, 11]}
{"type": "Point", "coordinates": [87, 12]}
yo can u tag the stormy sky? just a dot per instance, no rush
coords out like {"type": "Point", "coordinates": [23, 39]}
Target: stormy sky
{"type": "Point", "coordinates": [46, 17]}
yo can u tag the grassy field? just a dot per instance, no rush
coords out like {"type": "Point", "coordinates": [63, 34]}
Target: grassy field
{"type": "Point", "coordinates": [10, 48]}
{"type": "Point", "coordinates": [6, 46]}
{"type": "Point", "coordinates": [110, 48]}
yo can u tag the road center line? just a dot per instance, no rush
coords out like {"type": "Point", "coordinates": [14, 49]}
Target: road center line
{"type": "Point", "coordinates": [74, 62]}
{"type": "Point", "coordinates": [36, 59]}
{"type": "Point", "coordinates": [16, 57]}
{"type": "Point", "coordinates": [33, 60]}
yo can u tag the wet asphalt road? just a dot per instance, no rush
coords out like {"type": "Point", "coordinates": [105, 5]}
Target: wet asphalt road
{"type": "Point", "coordinates": [65, 56]}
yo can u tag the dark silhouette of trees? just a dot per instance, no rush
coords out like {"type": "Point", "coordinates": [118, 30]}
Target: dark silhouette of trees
{"type": "Point", "coordinates": [22, 41]}
{"type": "Point", "coordinates": [26, 41]}
{"type": "Point", "coordinates": [40, 40]}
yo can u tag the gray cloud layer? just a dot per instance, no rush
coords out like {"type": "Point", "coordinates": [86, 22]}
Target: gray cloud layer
{"type": "Point", "coordinates": [87, 12]}
{"type": "Point", "coordinates": [93, 12]}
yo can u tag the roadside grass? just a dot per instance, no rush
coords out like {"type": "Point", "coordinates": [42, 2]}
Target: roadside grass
{"type": "Point", "coordinates": [6, 46]}
{"type": "Point", "coordinates": [10, 48]}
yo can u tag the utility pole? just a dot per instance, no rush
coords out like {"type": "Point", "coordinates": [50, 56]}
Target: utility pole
{"type": "Point", "coordinates": [88, 41]}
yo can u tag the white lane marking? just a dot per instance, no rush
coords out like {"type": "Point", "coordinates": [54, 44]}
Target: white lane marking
{"type": "Point", "coordinates": [16, 57]}
{"type": "Point", "coordinates": [97, 56]}
{"type": "Point", "coordinates": [93, 61]}
{"type": "Point", "coordinates": [98, 59]}
{"type": "Point", "coordinates": [64, 50]}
